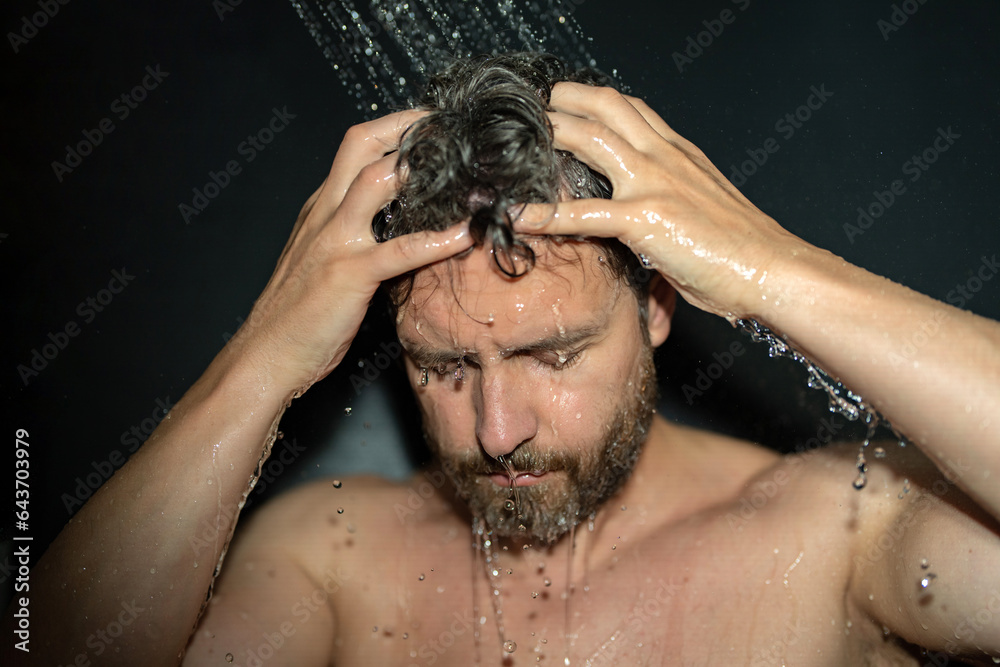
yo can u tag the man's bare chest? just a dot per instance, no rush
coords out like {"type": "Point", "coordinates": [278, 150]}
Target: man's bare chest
{"type": "Point", "coordinates": [702, 593]}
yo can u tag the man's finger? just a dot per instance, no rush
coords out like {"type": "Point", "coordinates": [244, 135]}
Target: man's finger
{"type": "Point", "coordinates": [582, 217]}
{"type": "Point", "coordinates": [605, 105]}
{"type": "Point", "coordinates": [412, 251]}
{"type": "Point", "coordinates": [373, 187]}
{"type": "Point", "coordinates": [598, 145]}
{"type": "Point", "coordinates": [363, 144]}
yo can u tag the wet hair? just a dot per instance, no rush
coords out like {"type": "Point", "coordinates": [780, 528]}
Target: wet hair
{"type": "Point", "coordinates": [484, 149]}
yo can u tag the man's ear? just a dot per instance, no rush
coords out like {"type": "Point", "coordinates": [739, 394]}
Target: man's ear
{"type": "Point", "coordinates": [660, 309]}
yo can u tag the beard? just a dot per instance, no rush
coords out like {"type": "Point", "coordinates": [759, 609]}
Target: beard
{"type": "Point", "coordinates": [584, 480]}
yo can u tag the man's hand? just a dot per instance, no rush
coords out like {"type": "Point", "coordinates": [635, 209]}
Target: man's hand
{"type": "Point", "coordinates": [304, 321]}
{"type": "Point", "coordinates": [670, 203]}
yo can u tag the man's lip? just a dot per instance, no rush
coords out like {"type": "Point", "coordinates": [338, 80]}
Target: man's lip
{"type": "Point", "coordinates": [520, 479]}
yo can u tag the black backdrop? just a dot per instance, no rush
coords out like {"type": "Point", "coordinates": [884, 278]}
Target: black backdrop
{"type": "Point", "coordinates": [219, 80]}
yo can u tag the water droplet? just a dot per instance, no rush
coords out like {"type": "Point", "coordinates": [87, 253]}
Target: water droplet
{"type": "Point", "coordinates": [614, 546]}
{"type": "Point", "coordinates": [229, 657]}
{"type": "Point", "coordinates": [879, 453]}
{"type": "Point", "coordinates": [624, 508]}
{"type": "Point", "coordinates": [927, 580]}
{"type": "Point", "coordinates": [421, 577]}
{"type": "Point", "coordinates": [534, 594]}
{"type": "Point", "coordinates": [374, 628]}
{"type": "Point", "coordinates": [509, 646]}
{"type": "Point", "coordinates": [860, 482]}
{"type": "Point", "coordinates": [152, 570]}
{"type": "Point", "coordinates": [337, 484]}
{"type": "Point", "coordinates": [548, 582]}
{"type": "Point", "coordinates": [406, 635]}
{"type": "Point", "coordinates": [347, 411]}
{"type": "Point", "coordinates": [340, 510]}
{"type": "Point", "coordinates": [280, 435]}
{"type": "Point", "coordinates": [924, 564]}
{"type": "Point", "coordinates": [508, 504]}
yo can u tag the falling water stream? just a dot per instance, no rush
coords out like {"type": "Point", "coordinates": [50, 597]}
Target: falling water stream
{"type": "Point", "coordinates": [842, 400]}
{"type": "Point", "coordinates": [383, 51]}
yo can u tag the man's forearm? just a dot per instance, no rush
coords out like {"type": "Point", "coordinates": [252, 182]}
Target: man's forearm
{"type": "Point", "coordinates": [933, 370]}
{"type": "Point", "coordinates": [141, 553]}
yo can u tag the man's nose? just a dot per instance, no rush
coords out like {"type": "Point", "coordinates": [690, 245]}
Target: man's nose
{"type": "Point", "coordinates": [505, 417]}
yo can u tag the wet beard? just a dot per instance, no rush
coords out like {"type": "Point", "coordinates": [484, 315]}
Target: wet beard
{"type": "Point", "coordinates": [582, 483]}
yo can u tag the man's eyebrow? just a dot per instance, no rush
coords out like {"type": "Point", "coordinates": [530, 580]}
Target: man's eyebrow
{"type": "Point", "coordinates": [558, 342]}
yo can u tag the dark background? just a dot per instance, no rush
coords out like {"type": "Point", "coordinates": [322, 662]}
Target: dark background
{"type": "Point", "coordinates": [194, 282]}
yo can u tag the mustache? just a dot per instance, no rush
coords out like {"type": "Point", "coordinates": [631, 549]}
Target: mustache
{"type": "Point", "coordinates": [522, 459]}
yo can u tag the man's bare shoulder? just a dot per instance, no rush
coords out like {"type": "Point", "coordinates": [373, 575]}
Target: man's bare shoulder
{"type": "Point", "coordinates": [346, 518]}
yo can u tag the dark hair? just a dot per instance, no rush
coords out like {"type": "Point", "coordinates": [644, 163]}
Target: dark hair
{"type": "Point", "coordinates": [484, 150]}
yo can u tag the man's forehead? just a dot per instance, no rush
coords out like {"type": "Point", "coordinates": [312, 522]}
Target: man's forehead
{"type": "Point", "coordinates": [567, 288]}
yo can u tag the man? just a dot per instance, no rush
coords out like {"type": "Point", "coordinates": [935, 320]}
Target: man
{"type": "Point", "coordinates": [566, 524]}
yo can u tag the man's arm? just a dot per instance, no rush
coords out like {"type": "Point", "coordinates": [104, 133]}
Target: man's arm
{"type": "Point", "coordinates": [273, 600]}
{"type": "Point", "coordinates": [141, 553]}
{"type": "Point", "coordinates": [725, 256]}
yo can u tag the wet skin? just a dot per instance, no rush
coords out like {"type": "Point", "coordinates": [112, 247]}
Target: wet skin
{"type": "Point", "coordinates": [715, 552]}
